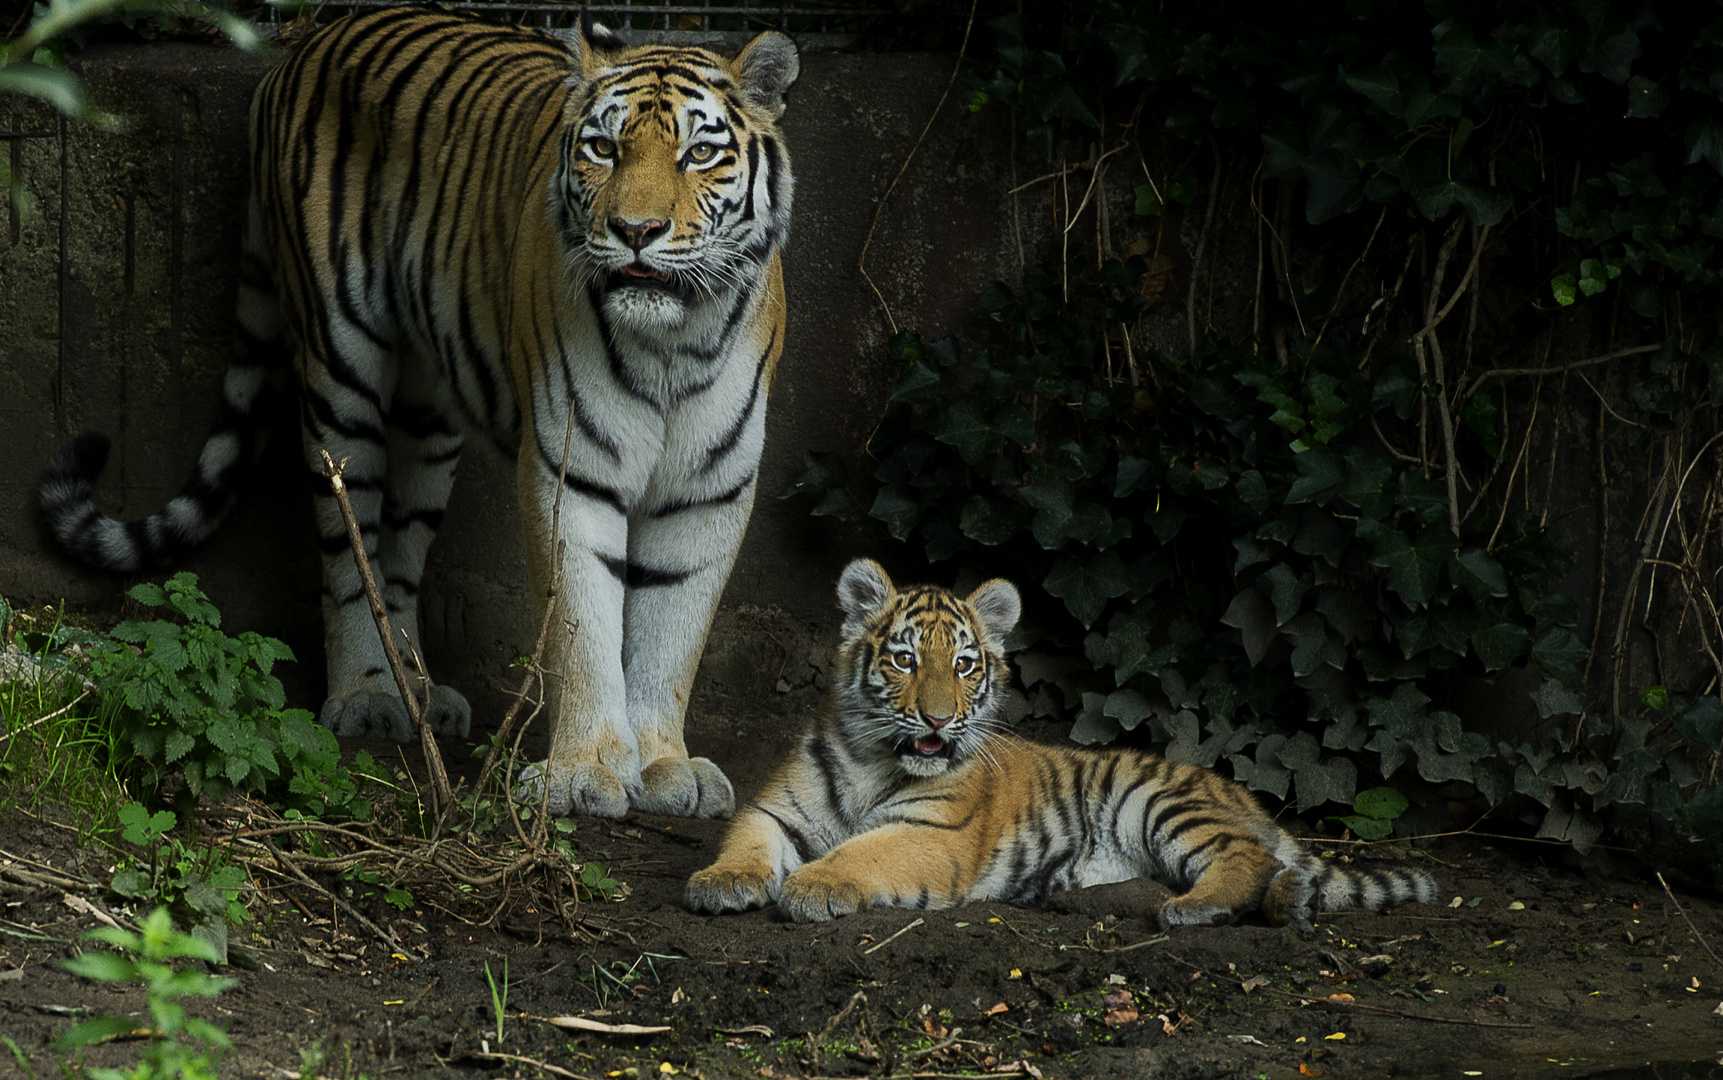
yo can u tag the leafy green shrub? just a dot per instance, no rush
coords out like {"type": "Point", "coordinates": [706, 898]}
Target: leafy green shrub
{"type": "Point", "coordinates": [181, 1047]}
{"type": "Point", "coordinates": [189, 699]}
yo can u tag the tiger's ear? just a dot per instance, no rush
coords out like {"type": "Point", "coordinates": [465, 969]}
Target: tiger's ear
{"type": "Point", "coordinates": [863, 591]}
{"type": "Point", "coordinates": [767, 66]}
{"type": "Point", "coordinates": [997, 604]}
{"type": "Point", "coordinates": [594, 39]}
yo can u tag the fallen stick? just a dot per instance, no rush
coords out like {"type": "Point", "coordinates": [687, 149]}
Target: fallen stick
{"type": "Point", "coordinates": [875, 948]}
{"type": "Point", "coordinates": [362, 560]}
{"type": "Point", "coordinates": [1678, 910]}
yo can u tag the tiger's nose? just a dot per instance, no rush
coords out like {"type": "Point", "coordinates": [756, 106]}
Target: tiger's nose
{"type": "Point", "coordinates": [936, 722]}
{"type": "Point", "coordinates": [637, 234]}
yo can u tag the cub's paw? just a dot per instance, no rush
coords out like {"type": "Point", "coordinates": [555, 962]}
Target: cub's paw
{"type": "Point", "coordinates": [808, 897]}
{"type": "Point", "coordinates": [685, 787]}
{"type": "Point", "coordinates": [582, 788]}
{"type": "Point", "coordinates": [718, 889]}
{"type": "Point", "coordinates": [1182, 911]}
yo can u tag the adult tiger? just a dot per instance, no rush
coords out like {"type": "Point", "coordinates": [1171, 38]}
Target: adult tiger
{"type": "Point", "coordinates": [460, 227]}
{"type": "Point", "coordinates": [907, 795]}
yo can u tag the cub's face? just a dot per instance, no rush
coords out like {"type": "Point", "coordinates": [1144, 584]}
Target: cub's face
{"type": "Point", "coordinates": [926, 666]}
{"type": "Point", "coordinates": [674, 179]}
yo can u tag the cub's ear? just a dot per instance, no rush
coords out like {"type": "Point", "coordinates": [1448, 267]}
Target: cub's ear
{"type": "Point", "coordinates": [997, 604]}
{"type": "Point", "coordinates": [863, 591]}
{"type": "Point", "coordinates": [767, 66]}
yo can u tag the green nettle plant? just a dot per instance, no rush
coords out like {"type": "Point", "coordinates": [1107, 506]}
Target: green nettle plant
{"type": "Point", "coordinates": [1283, 555]}
{"type": "Point", "coordinates": [181, 1047]}
{"type": "Point", "coordinates": [189, 700]}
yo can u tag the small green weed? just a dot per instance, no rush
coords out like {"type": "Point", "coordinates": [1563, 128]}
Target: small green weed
{"type": "Point", "coordinates": [181, 1047]}
{"type": "Point", "coordinates": [1374, 812]}
{"type": "Point", "coordinates": [499, 997]}
{"type": "Point", "coordinates": [196, 882]}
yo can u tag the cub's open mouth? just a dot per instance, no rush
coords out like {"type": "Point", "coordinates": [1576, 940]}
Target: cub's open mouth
{"type": "Point", "coordinates": [933, 746]}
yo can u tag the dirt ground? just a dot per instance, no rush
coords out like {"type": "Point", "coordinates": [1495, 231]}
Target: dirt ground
{"type": "Point", "coordinates": [1537, 972]}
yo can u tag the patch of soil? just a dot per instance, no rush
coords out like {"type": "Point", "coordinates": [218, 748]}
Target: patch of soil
{"type": "Point", "coordinates": [1537, 972]}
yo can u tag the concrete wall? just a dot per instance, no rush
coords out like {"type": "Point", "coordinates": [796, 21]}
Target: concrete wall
{"type": "Point", "coordinates": [115, 311]}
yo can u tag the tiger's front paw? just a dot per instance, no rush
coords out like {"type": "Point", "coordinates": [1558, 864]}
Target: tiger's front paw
{"type": "Point", "coordinates": [685, 787]}
{"type": "Point", "coordinates": [585, 787]}
{"type": "Point", "coordinates": [382, 715]}
{"type": "Point", "coordinates": [810, 896]}
{"type": "Point", "coordinates": [718, 888]}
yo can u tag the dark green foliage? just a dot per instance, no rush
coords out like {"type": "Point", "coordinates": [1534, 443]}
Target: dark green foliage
{"type": "Point", "coordinates": [1247, 566]}
{"type": "Point", "coordinates": [188, 699]}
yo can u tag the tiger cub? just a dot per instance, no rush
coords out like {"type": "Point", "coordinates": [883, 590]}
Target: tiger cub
{"type": "Point", "coordinates": [568, 248]}
{"type": "Point", "coordinates": [907, 793]}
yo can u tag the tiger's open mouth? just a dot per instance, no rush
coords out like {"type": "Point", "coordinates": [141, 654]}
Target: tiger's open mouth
{"type": "Point", "coordinates": [637, 275]}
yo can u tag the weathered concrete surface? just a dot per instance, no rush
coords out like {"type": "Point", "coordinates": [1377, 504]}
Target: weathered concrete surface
{"type": "Point", "coordinates": [115, 315]}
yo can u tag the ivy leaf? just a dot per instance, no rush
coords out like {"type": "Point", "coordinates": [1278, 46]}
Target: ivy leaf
{"type": "Point", "coordinates": [1148, 203]}
{"type": "Point", "coordinates": [1500, 645]}
{"type": "Point", "coordinates": [964, 427]}
{"type": "Point", "coordinates": [1128, 707]}
{"type": "Point", "coordinates": [1086, 587]}
{"type": "Point", "coordinates": [1565, 289]}
{"type": "Point", "coordinates": [1480, 575]}
{"type": "Point", "coordinates": [1286, 590]}
{"type": "Point", "coordinates": [1701, 724]}
{"type": "Point", "coordinates": [1645, 97]}
{"type": "Point", "coordinates": [992, 521]}
{"type": "Point", "coordinates": [1414, 568]}
{"type": "Point", "coordinates": [1093, 726]}
{"type": "Point", "coordinates": [1559, 653]}
{"type": "Point", "coordinates": [1320, 474]}
{"type": "Point", "coordinates": [898, 508]}
{"type": "Point", "coordinates": [821, 472]}
{"type": "Point", "coordinates": [1705, 142]}
{"type": "Point", "coordinates": [1252, 614]}
{"type": "Point", "coordinates": [919, 383]}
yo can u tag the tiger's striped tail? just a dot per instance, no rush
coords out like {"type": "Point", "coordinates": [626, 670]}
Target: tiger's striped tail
{"type": "Point", "coordinates": [67, 490]}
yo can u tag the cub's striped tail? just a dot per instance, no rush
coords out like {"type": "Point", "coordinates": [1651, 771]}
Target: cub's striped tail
{"type": "Point", "coordinates": [1309, 885]}
{"type": "Point", "coordinates": [1337, 887]}
{"type": "Point", "coordinates": [1331, 887]}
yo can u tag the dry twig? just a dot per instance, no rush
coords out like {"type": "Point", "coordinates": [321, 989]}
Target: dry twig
{"type": "Point", "coordinates": [362, 560]}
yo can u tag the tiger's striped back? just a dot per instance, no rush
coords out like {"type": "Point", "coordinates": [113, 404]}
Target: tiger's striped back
{"type": "Point", "coordinates": [909, 794]}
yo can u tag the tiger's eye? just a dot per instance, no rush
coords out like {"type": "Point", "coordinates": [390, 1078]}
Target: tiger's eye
{"type": "Point", "coordinates": [964, 665]}
{"type": "Point", "coordinates": [603, 147]}
{"type": "Point", "coordinates": [904, 660]}
{"type": "Point", "coordinates": [700, 153]}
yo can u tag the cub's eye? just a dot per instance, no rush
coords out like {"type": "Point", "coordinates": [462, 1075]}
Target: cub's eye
{"type": "Point", "coordinates": [602, 147]}
{"type": "Point", "coordinates": [963, 665]}
{"type": "Point", "coordinates": [700, 153]}
{"type": "Point", "coordinates": [903, 660]}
